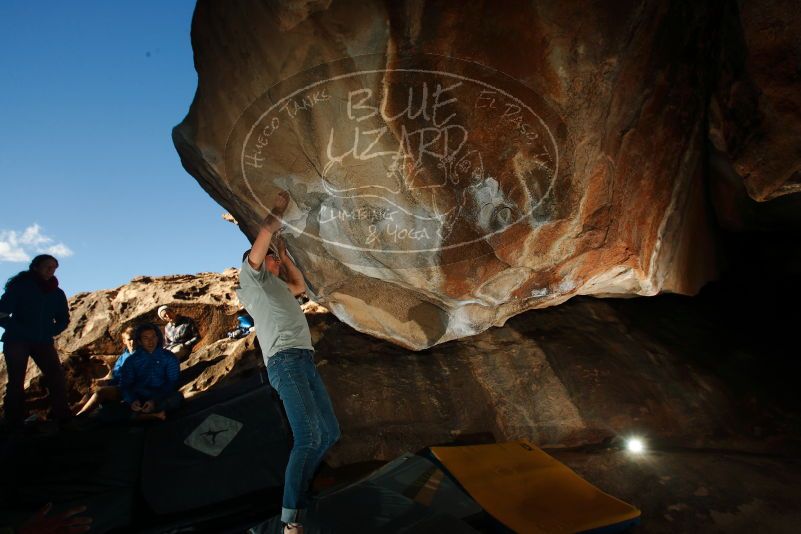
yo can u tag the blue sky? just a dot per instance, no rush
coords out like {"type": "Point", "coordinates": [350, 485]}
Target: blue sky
{"type": "Point", "coordinates": [89, 93]}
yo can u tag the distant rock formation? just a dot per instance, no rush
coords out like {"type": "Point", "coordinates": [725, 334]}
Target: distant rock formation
{"type": "Point", "coordinates": [452, 165]}
{"type": "Point", "coordinates": [91, 343]}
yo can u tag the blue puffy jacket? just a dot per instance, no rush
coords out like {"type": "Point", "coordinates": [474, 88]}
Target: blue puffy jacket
{"type": "Point", "coordinates": [149, 376]}
{"type": "Point", "coordinates": [117, 369]}
{"type": "Point", "coordinates": [36, 316]}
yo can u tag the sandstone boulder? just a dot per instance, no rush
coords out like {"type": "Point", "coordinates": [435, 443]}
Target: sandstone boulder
{"type": "Point", "coordinates": [581, 373]}
{"type": "Point", "coordinates": [755, 111]}
{"type": "Point", "coordinates": [452, 165]}
{"type": "Point", "coordinates": [91, 343]}
{"type": "Point", "coordinates": [578, 374]}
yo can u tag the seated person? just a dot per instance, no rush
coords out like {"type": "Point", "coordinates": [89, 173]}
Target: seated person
{"type": "Point", "coordinates": [149, 377]}
{"type": "Point", "coordinates": [245, 325]}
{"type": "Point", "coordinates": [105, 389]}
{"type": "Point", "coordinates": [180, 333]}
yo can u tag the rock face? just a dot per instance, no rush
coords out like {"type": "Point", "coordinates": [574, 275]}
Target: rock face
{"type": "Point", "coordinates": [91, 343]}
{"type": "Point", "coordinates": [452, 165]}
{"type": "Point", "coordinates": [755, 111]}
{"type": "Point", "coordinates": [577, 374]}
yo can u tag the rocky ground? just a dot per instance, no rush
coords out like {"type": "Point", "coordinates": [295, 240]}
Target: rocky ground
{"type": "Point", "coordinates": [698, 490]}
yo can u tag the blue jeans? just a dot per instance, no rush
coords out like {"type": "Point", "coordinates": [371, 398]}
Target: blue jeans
{"type": "Point", "coordinates": [311, 416]}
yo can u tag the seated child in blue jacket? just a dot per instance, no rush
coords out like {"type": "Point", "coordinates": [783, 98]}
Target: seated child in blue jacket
{"type": "Point", "coordinates": [149, 377]}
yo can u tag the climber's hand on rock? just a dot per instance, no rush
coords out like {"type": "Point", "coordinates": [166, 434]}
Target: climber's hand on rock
{"type": "Point", "coordinates": [273, 220]}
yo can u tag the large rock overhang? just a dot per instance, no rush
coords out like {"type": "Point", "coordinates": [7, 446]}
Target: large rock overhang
{"type": "Point", "coordinates": [451, 166]}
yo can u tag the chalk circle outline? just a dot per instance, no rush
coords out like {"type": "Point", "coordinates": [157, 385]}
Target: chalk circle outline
{"type": "Point", "coordinates": [305, 88]}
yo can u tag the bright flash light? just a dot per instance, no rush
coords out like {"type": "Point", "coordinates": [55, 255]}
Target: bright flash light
{"type": "Point", "coordinates": [635, 445]}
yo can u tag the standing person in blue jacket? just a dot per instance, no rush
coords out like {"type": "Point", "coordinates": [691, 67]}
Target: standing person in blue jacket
{"type": "Point", "coordinates": [33, 310]}
{"type": "Point", "coordinates": [149, 377]}
{"type": "Point", "coordinates": [269, 284]}
{"type": "Point", "coordinates": [107, 388]}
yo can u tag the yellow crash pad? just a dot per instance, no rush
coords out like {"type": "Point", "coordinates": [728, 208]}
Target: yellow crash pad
{"type": "Point", "coordinates": [529, 491]}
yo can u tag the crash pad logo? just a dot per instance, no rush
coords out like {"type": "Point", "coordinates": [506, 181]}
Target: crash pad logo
{"type": "Point", "coordinates": [213, 435]}
{"type": "Point", "coordinates": [426, 155]}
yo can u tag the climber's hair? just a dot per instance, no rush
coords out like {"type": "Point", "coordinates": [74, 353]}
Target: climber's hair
{"type": "Point", "coordinates": [270, 250]}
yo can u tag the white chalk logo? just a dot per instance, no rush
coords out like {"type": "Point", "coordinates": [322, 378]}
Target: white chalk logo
{"type": "Point", "coordinates": [213, 434]}
{"type": "Point", "coordinates": [391, 161]}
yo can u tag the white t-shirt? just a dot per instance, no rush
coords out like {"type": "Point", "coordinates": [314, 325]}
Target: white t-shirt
{"type": "Point", "coordinates": [280, 323]}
